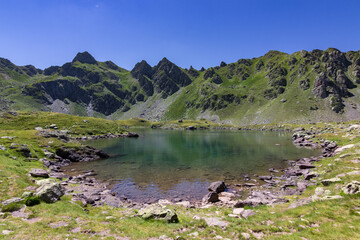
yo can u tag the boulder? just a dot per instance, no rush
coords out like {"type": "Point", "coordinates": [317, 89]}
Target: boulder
{"type": "Point", "coordinates": [301, 186]}
{"type": "Point", "coordinates": [246, 235]}
{"type": "Point", "coordinates": [49, 191]}
{"type": "Point", "coordinates": [306, 166]}
{"type": "Point", "coordinates": [211, 197]}
{"type": "Point", "coordinates": [2, 148]}
{"type": "Point", "coordinates": [217, 187]}
{"type": "Point", "coordinates": [213, 221]}
{"type": "Point", "coordinates": [39, 173]}
{"type": "Point", "coordinates": [157, 211]}
{"type": "Point", "coordinates": [258, 198]}
{"type": "Point", "coordinates": [352, 188]}
{"type": "Point", "coordinates": [48, 154]}
{"type": "Point", "coordinates": [327, 182]}
{"type": "Point", "coordinates": [11, 201]}
{"type": "Point", "coordinates": [265, 178]}
{"type": "Point", "coordinates": [238, 211]}
{"type": "Point", "coordinates": [310, 175]}
{"type": "Point", "coordinates": [247, 213]}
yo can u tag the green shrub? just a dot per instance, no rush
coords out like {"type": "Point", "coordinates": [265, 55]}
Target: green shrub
{"type": "Point", "coordinates": [32, 201]}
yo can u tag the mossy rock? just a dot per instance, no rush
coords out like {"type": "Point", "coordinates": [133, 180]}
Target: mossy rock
{"type": "Point", "coordinates": [157, 211]}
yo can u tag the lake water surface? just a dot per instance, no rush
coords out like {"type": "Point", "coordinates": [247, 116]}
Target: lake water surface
{"type": "Point", "coordinates": [181, 164]}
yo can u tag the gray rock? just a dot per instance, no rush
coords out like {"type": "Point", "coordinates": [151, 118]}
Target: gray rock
{"type": "Point", "coordinates": [190, 128]}
{"type": "Point", "coordinates": [12, 200]}
{"type": "Point", "coordinates": [352, 188]}
{"type": "Point", "coordinates": [301, 186]}
{"type": "Point", "coordinates": [48, 154]}
{"type": "Point", "coordinates": [306, 166]}
{"type": "Point", "coordinates": [265, 178]}
{"type": "Point", "coordinates": [217, 187]}
{"type": "Point", "coordinates": [246, 236]}
{"type": "Point", "coordinates": [247, 213]}
{"type": "Point", "coordinates": [211, 197]}
{"type": "Point", "coordinates": [27, 194]}
{"type": "Point", "coordinates": [258, 198]}
{"type": "Point", "coordinates": [6, 232]}
{"type": "Point", "coordinates": [238, 211]}
{"type": "Point", "coordinates": [213, 221]}
{"type": "Point", "coordinates": [50, 191]}
{"type": "Point", "coordinates": [327, 182]}
{"type": "Point", "coordinates": [249, 184]}
{"type": "Point", "coordinates": [310, 175]}
{"type": "Point", "coordinates": [157, 211]}
{"type": "Point", "coordinates": [2, 148]}
{"type": "Point", "coordinates": [39, 173]}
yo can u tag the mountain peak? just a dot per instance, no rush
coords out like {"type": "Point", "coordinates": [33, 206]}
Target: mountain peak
{"type": "Point", "coordinates": [142, 68]}
{"type": "Point", "coordinates": [84, 57]}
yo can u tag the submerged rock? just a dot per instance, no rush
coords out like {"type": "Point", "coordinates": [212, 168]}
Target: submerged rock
{"type": "Point", "coordinates": [157, 211]}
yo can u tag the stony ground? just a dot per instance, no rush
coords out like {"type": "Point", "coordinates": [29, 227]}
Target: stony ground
{"type": "Point", "coordinates": [329, 208]}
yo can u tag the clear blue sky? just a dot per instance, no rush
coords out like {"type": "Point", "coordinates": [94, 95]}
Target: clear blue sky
{"type": "Point", "coordinates": [187, 32]}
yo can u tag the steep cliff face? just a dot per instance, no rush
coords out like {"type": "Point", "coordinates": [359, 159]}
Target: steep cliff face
{"type": "Point", "coordinates": [166, 78]}
{"type": "Point", "coordinates": [277, 87]}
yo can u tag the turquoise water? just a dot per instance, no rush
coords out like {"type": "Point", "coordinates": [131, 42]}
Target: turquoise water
{"type": "Point", "coordinates": [181, 164]}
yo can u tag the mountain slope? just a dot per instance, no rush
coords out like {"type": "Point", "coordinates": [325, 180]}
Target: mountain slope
{"type": "Point", "coordinates": [277, 87]}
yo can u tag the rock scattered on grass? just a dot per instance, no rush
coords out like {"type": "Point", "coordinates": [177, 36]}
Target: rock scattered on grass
{"type": "Point", "coordinates": [352, 188]}
{"type": "Point", "coordinates": [6, 232]}
{"type": "Point", "coordinates": [246, 235]}
{"type": "Point", "coordinates": [49, 191]}
{"type": "Point", "coordinates": [327, 182]}
{"type": "Point", "coordinates": [157, 211]}
{"type": "Point", "coordinates": [211, 197]}
{"type": "Point", "coordinates": [247, 213]}
{"type": "Point", "coordinates": [39, 173]}
{"type": "Point", "coordinates": [214, 221]}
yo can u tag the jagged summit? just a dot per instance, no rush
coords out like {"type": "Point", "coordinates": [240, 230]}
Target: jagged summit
{"type": "Point", "coordinates": [142, 69]}
{"type": "Point", "coordinates": [84, 57]}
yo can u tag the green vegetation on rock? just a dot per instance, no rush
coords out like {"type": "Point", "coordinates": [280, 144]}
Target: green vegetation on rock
{"type": "Point", "coordinates": [303, 87]}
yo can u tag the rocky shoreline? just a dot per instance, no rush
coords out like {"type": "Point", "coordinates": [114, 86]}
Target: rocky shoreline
{"type": "Point", "coordinates": [272, 188]}
{"type": "Point", "coordinates": [84, 187]}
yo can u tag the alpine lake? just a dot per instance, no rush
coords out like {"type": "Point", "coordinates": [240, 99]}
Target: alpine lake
{"type": "Point", "coordinates": [178, 164]}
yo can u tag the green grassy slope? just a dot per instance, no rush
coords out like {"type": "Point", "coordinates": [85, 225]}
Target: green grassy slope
{"type": "Point", "coordinates": [301, 87]}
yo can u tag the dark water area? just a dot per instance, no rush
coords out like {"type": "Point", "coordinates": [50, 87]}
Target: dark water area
{"type": "Point", "coordinates": [181, 164]}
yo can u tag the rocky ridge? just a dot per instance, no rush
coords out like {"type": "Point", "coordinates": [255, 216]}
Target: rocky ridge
{"type": "Point", "coordinates": [318, 85]}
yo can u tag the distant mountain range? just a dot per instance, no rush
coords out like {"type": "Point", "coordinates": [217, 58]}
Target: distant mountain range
{"type": "Point", "coordinates": [306, 86]}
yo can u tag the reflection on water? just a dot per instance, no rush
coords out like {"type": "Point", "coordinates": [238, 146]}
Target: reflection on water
{"type": "Point", "coordinates": [180, 164]}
